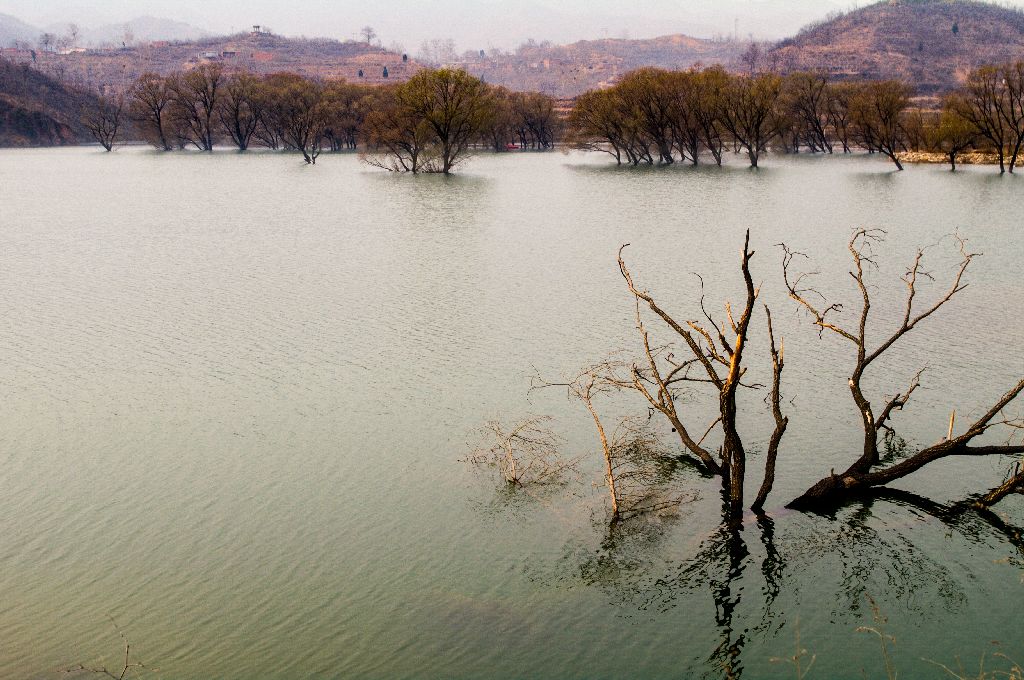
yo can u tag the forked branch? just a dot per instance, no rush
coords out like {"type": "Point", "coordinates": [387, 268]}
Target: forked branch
{"type": "Point", "coordinates": [866, 472]}
{"type": "Point", "coordinates": [722, 361]}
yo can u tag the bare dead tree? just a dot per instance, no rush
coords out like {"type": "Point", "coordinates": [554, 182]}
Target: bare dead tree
{"type": "Point", "coordinates": [719, 364]}
{"type": "Point", "coordinates": [866, 471]}
{"type": "Point", "coordinates": [781, 421]}
{"type": "Point", "coordinates": [643, 479]}
{"type": "Point", "coordinates": [637, 469]}
{"type": "Point", "coordinates": [1014, 484]}
{"type": "Point", "coordinates": [104, 119]}
{"type": "Point", "coordinates": [525, 453]}
{"type": "Point", "coordinates": [585, 386]}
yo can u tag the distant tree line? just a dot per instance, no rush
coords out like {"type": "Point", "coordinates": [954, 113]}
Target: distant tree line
{"type": "Point", "coordinates": [432, 122]}
{"type": "Point", "coordinates": [427, 124]}
{"type": "Point", "coordinates": [656, 116]}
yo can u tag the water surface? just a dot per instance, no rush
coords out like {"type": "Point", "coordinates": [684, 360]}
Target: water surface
{"type": "Point", "coordinates": [236, 391]}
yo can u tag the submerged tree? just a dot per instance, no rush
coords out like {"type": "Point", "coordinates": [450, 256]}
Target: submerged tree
{"type": "Point", "coordinates": [428, 123]}
{"type": "Point", "coordinates": [808, 102]}
{"type": "Point", "coordinates": [717, 361]}
{"type": "Point", "coordinates": [867, 470]}
{"type": "Point", "coordinates": [714, 361]}
{"type": "Point", "coordinates": [128, 668]}
{"type": "Point", "coordinates": [104, 119]}
{"type": "Point", "coordinates": [295, 107]}
{"type": "Point", "coordinates": [979, 103]}
{"type": "Point", "coordinates": [399, 139]}
{"type": "Point", "coordinates": [525, 453]}
{"type": "Point", "coordinates": [876, 117]}
{"type": "Point", "coordinates": [195, 98]}
{"type": "Point", "coordinates": [749, 112]}
{"type": "Point", "coordinates": [952, 134]}
{"type": "Point", "coordinates": [239, 109]}
{"type": "Point", "coordinates": [637, 470]}
{"type": "Point", "coordinates": [150, 103]}
{"type": "Point", "coordinates": [597, 125]}
{"type": "Point", "coordinates": [347, 107]}
{"type": "Point", "coordinates": [456, 108]}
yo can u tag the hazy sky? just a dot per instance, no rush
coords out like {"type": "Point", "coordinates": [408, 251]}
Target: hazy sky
{"type": "Point", "coordinates": [472, 24]}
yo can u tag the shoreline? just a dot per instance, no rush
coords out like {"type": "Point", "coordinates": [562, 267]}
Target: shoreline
{"type": "Point", "coordinates": [938, 158]}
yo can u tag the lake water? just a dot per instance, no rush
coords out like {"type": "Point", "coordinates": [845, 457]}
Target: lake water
{"type": "Point", "coordinates": [236, 391]}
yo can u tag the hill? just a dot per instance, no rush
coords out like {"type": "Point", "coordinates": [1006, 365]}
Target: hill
{"type": "Point", "coordinates": [115, 67]}
{"type": "Point", "coordinates": [568, 70]}
{"type": "Point", "coordinates": [37, 110]}
{"type": "Point", "coordinates": [930, 43]}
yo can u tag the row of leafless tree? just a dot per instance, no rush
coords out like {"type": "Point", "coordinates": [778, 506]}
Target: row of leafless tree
{"type": "Point", "coordinates": [426, 124]}
{"type": "Point", "coordinates": [658, 116]}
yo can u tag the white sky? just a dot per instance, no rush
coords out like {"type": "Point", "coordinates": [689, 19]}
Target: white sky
{"type": "Point", "coordinates": [473, 24]}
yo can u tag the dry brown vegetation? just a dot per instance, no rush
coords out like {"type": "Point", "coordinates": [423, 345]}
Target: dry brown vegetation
{"type": "Point", "coordinates": [262, 53]}
{"type": "Point", "coordinates": [565, 71]}
{"type": "Point", "coordinates": [36, 110]}
{"type": "Point", "coordinates": [933, 44]}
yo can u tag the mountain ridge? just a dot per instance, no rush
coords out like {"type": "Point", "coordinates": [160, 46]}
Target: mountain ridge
{"type": "Point", "coordinates": [932, 44]}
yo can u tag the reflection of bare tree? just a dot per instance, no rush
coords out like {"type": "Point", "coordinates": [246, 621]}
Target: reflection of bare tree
{"type": "Point", "coordinates": [730, 556]}
{"type": "Point", "coordinates": [871, 557]}
{"type": "Point", "coordinates": [772, 568]}
{"type": "Point", "coordinates": [626, 565]}
{"type": "Point", "coordinates": [973, 522]}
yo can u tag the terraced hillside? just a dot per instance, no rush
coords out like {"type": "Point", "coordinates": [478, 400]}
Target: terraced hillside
{"type": "Point", "coordinates": [255, 52]}
{"type": "Point", "coordinates": [930, 43]}
{"type": "Point", "coordinates": [568, 70]}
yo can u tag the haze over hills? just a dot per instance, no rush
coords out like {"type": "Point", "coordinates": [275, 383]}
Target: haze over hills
{"type": "Point", "coordinates": [143, 29]}
{"type": "Point", "coordinates": [472, 24]}
{"type": "Point", "coordinates": [13, 29]}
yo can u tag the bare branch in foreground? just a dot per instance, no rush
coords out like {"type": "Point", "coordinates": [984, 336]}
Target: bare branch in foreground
{"type": "Point", "coordinates": [127, 666]}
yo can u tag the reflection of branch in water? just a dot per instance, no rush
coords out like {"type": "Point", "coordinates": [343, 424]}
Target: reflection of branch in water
{"type": "Point", "coordinates": [863, 546]}
{"type": "Point", "coordinates": [623, 561]}
{"type": "Point", "coordinates": [733, 555]}
{"type": "Point", "coordinates": [969, 520]}
{"type": "Point", "coordinates": [866, 557]}
{"type": "Point", "coordinates": [889, 558]}
{"type": "Point", "coordinates": [625, 564]}
{"type": "Point", "coordinates": [772, 568]}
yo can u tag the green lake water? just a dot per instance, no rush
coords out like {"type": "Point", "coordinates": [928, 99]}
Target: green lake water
{"type": "Point", "coordinates": [236, 391]}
